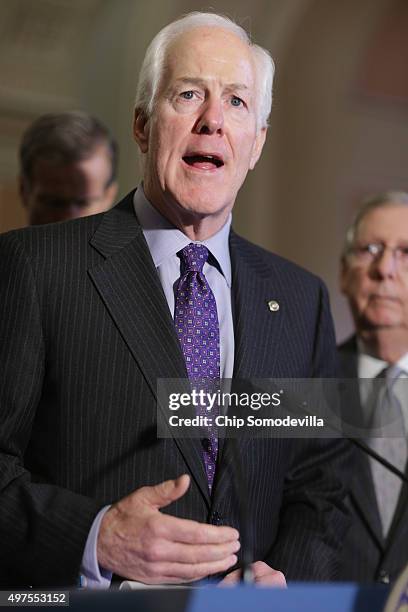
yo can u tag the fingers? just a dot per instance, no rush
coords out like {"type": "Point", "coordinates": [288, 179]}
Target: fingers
{"type": "Point", "coordinates": [139, 542]}
{"type": "Point", "coordinates": [275, 579]}
{"type": "Point", "coordinates": [164, 493]}
{"type": "Point", "coordinates": [264, 575]}
{"type": "Point", "coordinates": [192, 532]}
{"type": "Point", "coordinates": [175, 552]}
{"type": "Point", "coordinates": [232, 578]}
{"type": "Point", "coordinates": [163, 572]}
{"type": "Point", "coordinates": [267, 576]}
{"type": "Point", "coordinates": [181, 530]}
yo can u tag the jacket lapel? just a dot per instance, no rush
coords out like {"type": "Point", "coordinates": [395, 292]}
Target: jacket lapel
{"type": "Point", "coordinates": [257, 329]}
{"type": "Point", "coordinates": [399, 527]}
{"type": "Point", "coordinates": [129, 286]}
{"type": "Point", "coordinates": [347, 354]}
{"type": "Point", "coordinates": [256, 333]}
{"type": "Point", "coordinates": [362, 486]}
{"type": "Point", "coordinates": [364, 498]}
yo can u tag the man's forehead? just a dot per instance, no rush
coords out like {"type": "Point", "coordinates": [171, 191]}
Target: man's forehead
{"type": "Point", "coordinates": [208, 52]}
{"type": "Point", "coordinates": [390, 221]}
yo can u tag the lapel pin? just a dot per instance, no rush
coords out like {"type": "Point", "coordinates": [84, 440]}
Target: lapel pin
{"type": "Point", "coordinates": [273, 305]}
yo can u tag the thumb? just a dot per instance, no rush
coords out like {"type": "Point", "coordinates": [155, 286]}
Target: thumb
{"type": "Point", "coordinates": [230, 579]}
{"type": "Point", "coordinates": [166, 492]}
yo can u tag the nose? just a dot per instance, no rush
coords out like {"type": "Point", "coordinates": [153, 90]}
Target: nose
{"type": "Point", "coordinates": [385, 265]}
{"type": "Point", "coordinates": [211, 119]}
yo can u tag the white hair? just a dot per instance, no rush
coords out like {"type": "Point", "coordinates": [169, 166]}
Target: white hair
{"type": "Point", "coordinates": [153, 63]}
{"type": "Point", "coordinates": [380, 200]}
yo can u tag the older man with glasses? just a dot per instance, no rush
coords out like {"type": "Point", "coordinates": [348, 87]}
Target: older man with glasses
{"type": "Point", "coordinates": [374, 278]}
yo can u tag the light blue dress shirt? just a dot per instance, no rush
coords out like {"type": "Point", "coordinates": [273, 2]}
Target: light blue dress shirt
{"type": "Point", "coordinates": [164, 241]}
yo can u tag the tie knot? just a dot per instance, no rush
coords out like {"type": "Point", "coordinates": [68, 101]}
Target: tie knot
{"type": "Point", "coordinates": [390, 373]}
{"type": "Point", "coordinates": [393, 372]}
{"type": "Point", "coordinates": [193, 258]}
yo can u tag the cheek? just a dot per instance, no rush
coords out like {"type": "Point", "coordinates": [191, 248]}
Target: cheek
{"type": "Point", "coordinates": [168, 150]}
{"type": "Point", "coordinates": [244, 149]}
{"type": "Point", "coordinates": [354, 285]}
{"type": "Point", "coordinates": [405, 298]}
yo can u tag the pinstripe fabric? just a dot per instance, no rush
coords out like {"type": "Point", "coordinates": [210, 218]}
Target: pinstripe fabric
{"type": "Point", "coordinates": [85, 332]}
{"type": "Point", "coordinates": [367, 557]}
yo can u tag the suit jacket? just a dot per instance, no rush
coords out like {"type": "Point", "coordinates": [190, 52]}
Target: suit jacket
{"type": "Point", "coordinates": [367, 556]}
{"type": "Point", "coordinates": [85, 332]}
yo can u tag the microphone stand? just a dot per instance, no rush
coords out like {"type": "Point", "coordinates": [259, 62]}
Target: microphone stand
{"type": "Point", "coordinates": [241, 490]}
{"type": "Point", "coordinates": [389, 466]}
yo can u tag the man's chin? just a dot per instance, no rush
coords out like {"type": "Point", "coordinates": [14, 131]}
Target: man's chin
{"type": "Point", "coordinates": [384, 322]}
{"type": "Point", "coordinates": [197, 208]}
{"type": "Point", "coordinates": [201, 212]}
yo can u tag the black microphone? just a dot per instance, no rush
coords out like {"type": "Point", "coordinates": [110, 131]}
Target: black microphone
{"type": "Point", "coordinates": [389, 466]}
{"type": "Point", "coordinates": [368, 450]}
{"type": "Point", "coordinates": [358, 442]}
{"type": "Point", "coordinates": [241, 490]}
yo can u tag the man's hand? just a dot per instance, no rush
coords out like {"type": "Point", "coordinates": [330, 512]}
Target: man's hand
{"type": "Point", "coordinates": [263, 575]}
{"type": "Point", "coordinates": [139, 542]}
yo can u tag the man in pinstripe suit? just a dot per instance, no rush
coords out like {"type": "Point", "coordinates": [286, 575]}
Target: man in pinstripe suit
{"type": "Point", "coordinates": [87, 329]}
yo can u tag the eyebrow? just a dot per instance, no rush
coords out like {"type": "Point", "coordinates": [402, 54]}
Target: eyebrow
{"type": "Point", "coordinates": [203, 82]}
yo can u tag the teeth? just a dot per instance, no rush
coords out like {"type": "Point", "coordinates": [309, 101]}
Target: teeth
{"type": "Point", "coordinates": [209, 158]}
{"type": "Point", "coordinates": [213, 159]}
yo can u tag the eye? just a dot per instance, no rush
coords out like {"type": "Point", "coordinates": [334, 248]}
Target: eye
{"type": "Point", "coordinates": [368, 249]}
{"type": "Point", "coordinates": [374, 249]}
{"type": "Point", "coordinates": [237, 102]}
{"type": "Point", "coordinates": [187, 95]}
{"type": "Point", "coordinates": [366, 252]}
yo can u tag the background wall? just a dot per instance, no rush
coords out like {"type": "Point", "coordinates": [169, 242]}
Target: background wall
{"type": "Point", "coordinates": [339, 127]}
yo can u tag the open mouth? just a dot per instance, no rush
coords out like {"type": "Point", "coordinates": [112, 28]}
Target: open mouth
{"type": "Point", "coordinates": [203, 162]}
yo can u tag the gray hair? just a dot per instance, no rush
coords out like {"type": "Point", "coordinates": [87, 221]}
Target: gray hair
{"type": "Point", "coordinates": [153, 63]}
{"type": "Point", "coordinates": [65, 138]}
{"type": "Point", "coordinates": [381, 200]}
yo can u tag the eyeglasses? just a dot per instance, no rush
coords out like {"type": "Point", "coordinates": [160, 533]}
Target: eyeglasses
{"type": "Point", "coordinates": [367, 253]}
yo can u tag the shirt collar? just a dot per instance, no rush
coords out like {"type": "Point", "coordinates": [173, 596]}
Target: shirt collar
{"type": "Point", "coordinates": [164, 240]}
{"type": "Point", "coordinates": [403, 363]}
{"type": "Point", "coordinates": [370, 367]}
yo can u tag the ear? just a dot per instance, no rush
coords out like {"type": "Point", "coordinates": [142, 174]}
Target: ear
{"type": "Point", "coordinates": [258, 146]}
{"type": "Point", "coordinates": [141, 130]}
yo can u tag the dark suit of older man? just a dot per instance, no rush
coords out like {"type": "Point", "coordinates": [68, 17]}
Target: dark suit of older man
{"type": "Point", "coordinates": [367, 555]}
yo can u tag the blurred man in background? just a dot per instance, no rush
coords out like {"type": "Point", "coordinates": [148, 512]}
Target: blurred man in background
{"type": "Point", "coordinates": [374, 278]}
{"type": "Point", "coordinates": [68, 165]}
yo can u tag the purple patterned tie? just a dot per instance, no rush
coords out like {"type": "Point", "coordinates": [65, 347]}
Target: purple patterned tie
{"type": "Point", "coordinates": [196, 321]}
